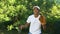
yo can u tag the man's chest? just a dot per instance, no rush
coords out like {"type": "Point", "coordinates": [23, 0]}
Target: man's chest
{"type": "Point", "coordinates": [35, 21]}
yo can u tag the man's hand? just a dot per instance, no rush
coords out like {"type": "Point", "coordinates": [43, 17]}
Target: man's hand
{"type": "Point", "coordinates": [21, 27]}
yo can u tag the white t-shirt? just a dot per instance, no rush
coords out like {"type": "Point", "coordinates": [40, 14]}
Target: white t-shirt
{"type": "Point", "coordinates": [35, 25]}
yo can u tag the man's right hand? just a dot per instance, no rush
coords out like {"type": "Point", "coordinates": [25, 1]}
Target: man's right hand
{"type": "Point", "coordinates": [21, 27]}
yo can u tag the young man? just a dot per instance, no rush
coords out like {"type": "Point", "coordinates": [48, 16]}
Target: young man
{"type": "Point", "coordinates": [35, 21]}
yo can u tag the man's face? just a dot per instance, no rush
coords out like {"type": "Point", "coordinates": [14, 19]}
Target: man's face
{"type": "Point", "coordinates": [36, 11]}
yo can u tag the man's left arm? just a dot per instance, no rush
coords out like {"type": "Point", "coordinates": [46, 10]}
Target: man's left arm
{"type": "Point", "coordinates": [43, 22]}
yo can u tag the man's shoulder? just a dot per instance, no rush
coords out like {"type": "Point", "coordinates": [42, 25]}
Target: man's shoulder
{"type": "Point", "coordinates": [31, 15]}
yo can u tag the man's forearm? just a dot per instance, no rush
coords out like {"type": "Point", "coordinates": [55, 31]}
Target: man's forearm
{"type": "Point", "coordinates": [44, 27]}
{"type": "Point", "coordinates": [26, 25]}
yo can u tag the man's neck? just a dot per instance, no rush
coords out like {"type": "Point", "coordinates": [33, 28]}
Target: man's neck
{"type": "Point", "coordinates": [36, 15]}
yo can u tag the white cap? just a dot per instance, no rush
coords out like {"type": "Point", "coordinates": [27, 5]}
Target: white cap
{"type": "Point", "coordinates": [36, 7]}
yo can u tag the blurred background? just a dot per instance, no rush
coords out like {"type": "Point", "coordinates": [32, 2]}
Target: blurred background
{"type": "Point", "coordinates": [15, 12]}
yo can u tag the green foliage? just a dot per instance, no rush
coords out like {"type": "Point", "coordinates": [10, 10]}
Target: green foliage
{"type": "Point", "coordinates": [15, 12]}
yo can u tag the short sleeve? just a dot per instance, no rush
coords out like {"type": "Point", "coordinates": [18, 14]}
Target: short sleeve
{"type": "Point", "coordinates": [29, 19]}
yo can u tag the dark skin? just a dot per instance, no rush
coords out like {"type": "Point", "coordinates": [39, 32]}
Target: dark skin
{"type": "Point", "coordinates": [36, 14]}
